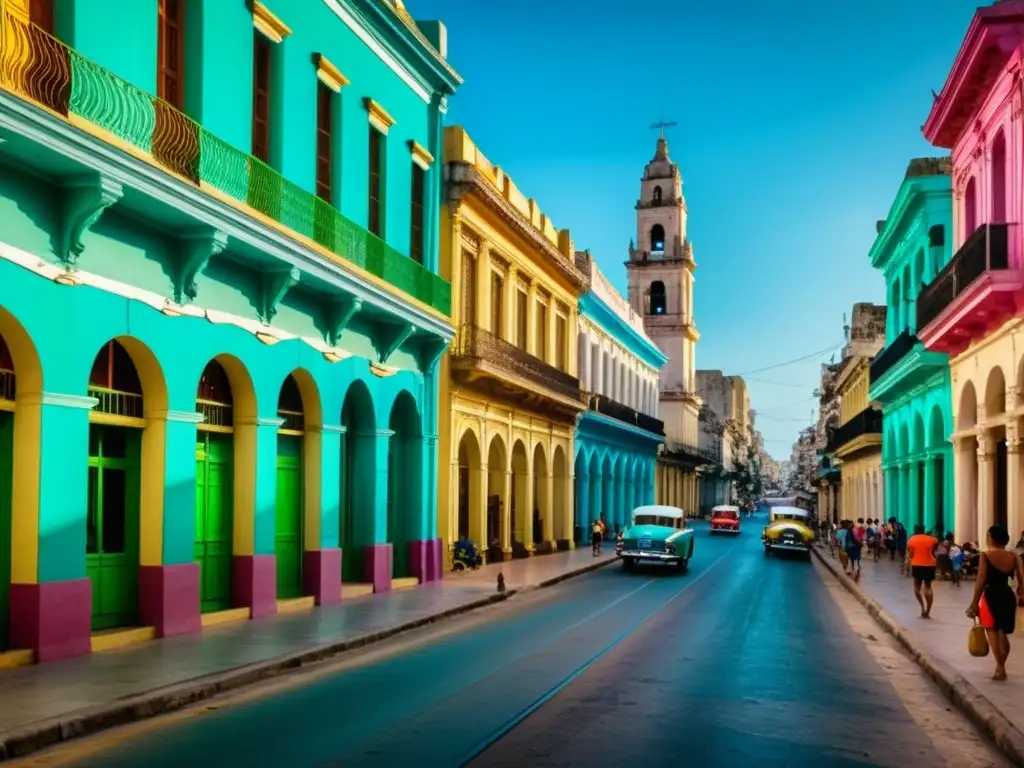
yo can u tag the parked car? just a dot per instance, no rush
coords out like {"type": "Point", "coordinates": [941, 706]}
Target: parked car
{"type": "Point", "coordinates": [788, 530]}
{"type": "Point", "coordinates": [725, 519]}
{"type": "Point", "coordinates": [657, 534]}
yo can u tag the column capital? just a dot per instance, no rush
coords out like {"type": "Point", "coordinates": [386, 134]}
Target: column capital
{"type": "Point", "coordinates": [986, 446]}
{"type": "Point", "coordinates": [1011, 398]}
{"type": "Point", "coordinates": [58, 400]}
{"type": "Point", "coordinates": [182, 417]}
{"type": "Point", "coordinates": [334, 429]}
{"type": "Point", "coordinates": [1013, 445]}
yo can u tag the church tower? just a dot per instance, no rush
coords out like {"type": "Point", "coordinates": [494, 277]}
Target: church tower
{"type": "Point", "coordinates": [660, 271]}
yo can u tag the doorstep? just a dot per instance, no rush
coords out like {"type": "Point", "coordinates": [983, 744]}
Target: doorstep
{"type": "Point", "coordinates": [355, 589]}
{"type": "Point", "coordinates": [17, 658]}
{"type": "Point", "coordinates": [111, 639]}
{"type": "Point", "coordinates": [405, 583]}
{"type": "Point", "coordinates": [296, 604]}
{"type": "Point", "coordinates": [216, 618]}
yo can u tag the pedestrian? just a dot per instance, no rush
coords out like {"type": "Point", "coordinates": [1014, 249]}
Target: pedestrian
{"type": "Point", "coordinates": [853, 550]}
{"type": "Point", "coordinates": [872, 537]}
{"type": "Point", "coordinates": [618, 541]}
{"type": "Point", "coordinates": [900, 546]}
{"type": "Point", "coordinates": [921, 551]}
{"type": "Point", "coordinates": [596, 533]}
{"type": "Point", "coordinates": [841, 533]}
{"type": "Point", "coordinates": [994, 603]}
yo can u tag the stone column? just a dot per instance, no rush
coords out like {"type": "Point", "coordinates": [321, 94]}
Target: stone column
{"type": "Point", "coordinates": [478, 507]}
{"type": "Point", "coordinates": [524, 512]}
{"type": "Point", "coordinates": [1015, 516]}
{"type": "Point", "coordinates": [986, 485]}
{"type": "Point", "coordinates": [931, 465]}
{"type": "Point", "coordinates": [890, 480]}
{"type": "Point", "coordinates": [966, 491]}
{"type": "Point", "coordinates": [549, 512]}
{"type": "Point", "coordinates": [511, 290]}
{"type": "Point", "coordinates": [371, 525]}
{"type": "Point", "coordinates": [506, 514]}
{"type": "Point", "coordinates": [531, 319]}
{"type": "Point", "coordinates": [906, 513]}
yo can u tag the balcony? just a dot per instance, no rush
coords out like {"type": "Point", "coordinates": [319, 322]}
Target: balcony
{"type": "Point", "coordinates": [974, 294]}
{"type": "Point", "coordinates": [861, 432]}
{"type": "Point", "coordinates": [42, 70]}
{"type": "Point", "coordinates": [625, 414]}
{"type": "Point", "coordinates": [903, 366]}
{"type": "Point", "coordinates": [690, 454]}
{"type": "Point", "coordinates": [504, 371]}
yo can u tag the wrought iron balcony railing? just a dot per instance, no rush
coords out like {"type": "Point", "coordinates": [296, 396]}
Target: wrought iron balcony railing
{"type": "Point", "coordinates": [44, 70]}
{"type": "Point", "coordinates": [867, 422]}
{"type": "Point", "coordinates": [476, 344]}
{"type": "Point", "coordinates": [892, 354]}
{"type": "Point", "coordinates": [987, 250]}
{"type": "Point", "coordinates": [623, 413]}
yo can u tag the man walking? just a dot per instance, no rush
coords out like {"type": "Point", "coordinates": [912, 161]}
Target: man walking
{"type": "Point", "coordinates": [596, 534]}
{"type": "Point", "coordinates": [921, 550]}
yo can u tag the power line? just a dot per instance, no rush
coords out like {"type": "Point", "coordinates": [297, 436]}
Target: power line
{"type": "Point", "coordinates": [784, 406]}
{"type": "Point", "coordinates": [777, 383]}
{"type": "Point", "coordinates": [812, 355]}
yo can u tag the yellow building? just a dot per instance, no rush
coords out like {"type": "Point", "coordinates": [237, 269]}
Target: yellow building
{"type": "Point", "coordinates": [856, 444]}
{"type": "Point", "coordinates": [509, 389]}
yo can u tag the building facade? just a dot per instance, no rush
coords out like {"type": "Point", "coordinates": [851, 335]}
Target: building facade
{"type": "Point", "coordinates": [220, 308]}
{"type": "Point", "coordinates": [725, 432]}
{"type": "Point", "coordinates": [660, 271]}
{"type": "Point", "coordinates": [910, 381]}
{"type": "Point", "coordinates": [970, 309]}
{"type": "Point", "coordinates": [826, 476]}
{"type": "Point", "coordinates": [855, 445]}
{"type": "Point", "coordinates": [510, 393]}
{"type": "Point", "coordinates": [618, 436]}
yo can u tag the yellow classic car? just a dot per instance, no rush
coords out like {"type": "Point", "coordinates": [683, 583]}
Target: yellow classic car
{"type": "Point", "coordinates": [788, 529]}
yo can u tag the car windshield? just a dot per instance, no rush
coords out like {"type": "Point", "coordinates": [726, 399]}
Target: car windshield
{"type": "Point", "coordinates": [726, 514]}
{"type": "Point", "coordinates": [668, 522]}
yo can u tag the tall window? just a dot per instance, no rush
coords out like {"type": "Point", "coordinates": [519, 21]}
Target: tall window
{"type": "Point", "coordinates": [260, 98]}
{"type": "Point", "coordinates": [657, 298]}
{"type": "Point", "coordinates": [657, 239]}
{"type": "Point", "coordinates": [468, 288]}
{"type": "Point", "coordinates": [324, 143]}
{"type": "Point", "coordinates": [376, 219]}
{"type": "Point", "coordinates": [522, 305]}
{"type": "Point", "coordinates": [542, 331]}
{"type": "Point", "coordinates": [999, 179]}
{"type": "Point", "coordinates": [497, 294]}
{"type": "Point", "coordinates": [169, 48]}
{"type": "Point", "coordinates": [40, 13]}
{"type": "Point", "coordinates": [416, 214]}
{"type": "Point", "coordinates": [970, 209]}
{"type": "Point", "coordinates": [561, 342]}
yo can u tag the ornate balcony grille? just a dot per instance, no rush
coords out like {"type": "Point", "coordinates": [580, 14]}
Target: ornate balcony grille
{"type": "Point", "coordinates": [623, 413]}
{"type": "Point", "coordinates": [117, 403]}
{"type": "Point", "coordinates": [476, 344]}
{"type": "Point", "coordinates": [984, 251]}
{"type": "Point", "coordinates": [892, 354]}
{"type": "Point", "coordinates": [868, 421]}
{"type": "Point", "coordinates": [44, 70]}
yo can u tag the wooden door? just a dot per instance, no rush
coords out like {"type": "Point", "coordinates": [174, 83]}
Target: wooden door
{"type": "Point", "coordinates": [214, 519]}
{"type": "Point", "coordinates": [288, 528]}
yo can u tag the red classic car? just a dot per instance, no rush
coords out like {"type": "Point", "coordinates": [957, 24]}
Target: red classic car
{"type": "Point", "coordinates": [725, 519]}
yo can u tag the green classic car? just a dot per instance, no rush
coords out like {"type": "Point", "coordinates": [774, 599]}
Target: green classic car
{"type": "Point", "coordinates": [788, 530]}
{"type": "Point", "coordinates": [657, 534]}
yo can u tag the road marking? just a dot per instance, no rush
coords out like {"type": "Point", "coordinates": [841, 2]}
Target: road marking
{"type": "Point", "coordinates": [518, 718]}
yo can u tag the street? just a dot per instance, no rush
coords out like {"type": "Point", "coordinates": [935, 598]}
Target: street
{"type": "Point", "coordinates": [746, 659]}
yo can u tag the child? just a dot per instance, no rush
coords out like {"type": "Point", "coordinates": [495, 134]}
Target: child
{"type": "Point", "coordinates": [618, 542]}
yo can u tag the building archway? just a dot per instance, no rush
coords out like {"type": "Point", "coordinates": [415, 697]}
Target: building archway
{"type": "Point", "coordinates": [356, 523]}
{"type": "Point", "coordinates": [935, 441]}
{"type": "Point", "coordinates": [559, 486]}
{"type": "Point", "coordinates": [541, 497]}
{"type": "Point", "coordinates": [520, 508]}
{"type": "Point", "coordinates": [405, 482]}
{"type": "Point", "coordinates": [608, 477]}
{"type": "Point", "coordinates": [289, 520]}
{"type": "Point", "coordinates": [470, 477]}
{"type": "Point", "coordinates": [593, 512]}
{"type": "Point", "coordinates": [995, 407]}
{"type": "Point", "coordinates": [127, 429]}
{"type": "Point", "coordinates": [497, 498]}
{"type": "Point", "coordinates": [967, 465]}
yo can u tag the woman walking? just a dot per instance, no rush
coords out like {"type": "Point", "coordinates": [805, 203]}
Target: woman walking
{"type": "Point", "coordinates": [994, 604]}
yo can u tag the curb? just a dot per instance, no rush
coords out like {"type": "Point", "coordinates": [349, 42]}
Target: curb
{"type": "Point", "coordinates": [958, 689]}
{"type": "Point", "coordinates": [170, 698]}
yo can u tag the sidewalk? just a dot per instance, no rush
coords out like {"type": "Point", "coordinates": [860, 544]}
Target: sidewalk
{"type": "Point", "coordinates": [53, 702]}
{"type": "Point", "coordinates": [940, 646]}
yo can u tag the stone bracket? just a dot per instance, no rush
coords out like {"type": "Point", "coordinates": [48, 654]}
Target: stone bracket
{"type": "Point", "coordinates": [428, 353]}
{"type": "Point", "coordinates": [389, 338]}
{"type": "Point", "coordinates": [275, 285]}
{"type": "Point", "coordinates": [84, 199]}
{"type": "Point", "coordinates": [196, 250]}
{"type": "Point", "coordinates": [339, 315]}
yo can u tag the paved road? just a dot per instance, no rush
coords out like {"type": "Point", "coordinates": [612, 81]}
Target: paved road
{"type": "Point", "coordinates": [746, 660]}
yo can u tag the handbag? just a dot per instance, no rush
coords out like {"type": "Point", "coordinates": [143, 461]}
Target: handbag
{"type": "Point", "coordinates": [977, 642]}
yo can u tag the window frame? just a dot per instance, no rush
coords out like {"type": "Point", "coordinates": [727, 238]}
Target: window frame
{"type": "Point", "coordinates": [375, 184]}
{"type": "Point", "coordinates": [417, 214]}
{"type": "Point", "coordinates": [165, 24]}
{"type": "Point", "coordinates": [261, 86]}
{"type": "Point", "coordinates": [325, 187]}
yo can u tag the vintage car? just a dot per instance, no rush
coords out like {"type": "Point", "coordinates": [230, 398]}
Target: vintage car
{"type": "Point", "coordinates": [725, 519]}
{"type": "Point", "coordinates": [788, 530]}
{"type": "Point", "coordinates": [657, 534]}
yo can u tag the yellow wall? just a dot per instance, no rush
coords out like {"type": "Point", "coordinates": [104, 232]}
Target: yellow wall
{"type": "Point", "coordinates": [853, 388]}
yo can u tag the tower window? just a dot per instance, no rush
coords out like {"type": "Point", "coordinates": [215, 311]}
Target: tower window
{"type": "Point", "coordinates": [657, 239]}
{"type": "Point", "coordinates": [657, 195]}
{"type": "Point", "coordinates": [657, 298]}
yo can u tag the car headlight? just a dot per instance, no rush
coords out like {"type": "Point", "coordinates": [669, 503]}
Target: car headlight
{"type": "Point", "coordinates": [670, 549]}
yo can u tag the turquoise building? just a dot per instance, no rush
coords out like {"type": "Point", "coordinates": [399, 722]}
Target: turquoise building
{"type": "Point", "coordinates": [221, 317]}
{"type": "Point", "coordinates": [911, 382]}
{"type": "Point", "coordinates": [617, 437]}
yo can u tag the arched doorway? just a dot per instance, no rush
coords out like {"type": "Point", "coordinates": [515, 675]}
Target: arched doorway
{"type": "Point", "coordinates": [935, 443]}
{"type": "Point", "coordinates": [497, 480]}
{"type": "Point", "coordinates": [405, 481]}
{"type": "Point", "coordinates": [7, 395]}
{"type": "Point", "coordinates": [519, 510]}
{"type": "Point", "coordinates": [607, 490]}
{"type": "Point", "coordinates": [357, 493]}
{"type": "Point", "coordinates": [917, 481]}
{"type": "Point", "coordinates": [215, 453]}
{"type": "Point", "coordinates": [967, 466]}
{"type": "Point", "coordinates": [115, 462]}
{"type": "Point", "coordinates": [541, 502]}
{"type": "Point", "coordinates": [559, 486]}
{"type": "Point", "coordinates": [596, 490]}
{"type": "Point", "coordinates": [288, 522]}
{"type": "Point", "coordinates": [468, 514]}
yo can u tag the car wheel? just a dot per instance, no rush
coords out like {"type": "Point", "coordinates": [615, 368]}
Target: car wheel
{"type": "Point", "coordinates": [767, 550]}
{"type": "Point", "coordinates": [627, 563]}
{"type": "Point", "coordinates": [684, 565]}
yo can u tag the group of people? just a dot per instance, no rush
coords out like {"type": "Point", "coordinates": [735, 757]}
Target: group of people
{"type": "Point", "coordinates": [850, 539]}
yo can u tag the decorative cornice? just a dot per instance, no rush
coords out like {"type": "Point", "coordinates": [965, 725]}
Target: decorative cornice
{"type": "Point", "coordinates": [379, 117]}
{"type": "Point", "coordinates": [600, 314]}
{"type": "Point", "coordinates": [420, 155]}
{"type": "Point", "coordinates": [185, 417]}
{"type": "Point", "coordinates": [269, 25]}
{"type": "Point", "coordinates": [464, 178]}
{"type": "Point", "coordinates": [328, 74]}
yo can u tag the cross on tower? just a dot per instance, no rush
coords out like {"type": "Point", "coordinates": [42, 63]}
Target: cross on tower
{"type": "Point", "coordinates": [661, 125]}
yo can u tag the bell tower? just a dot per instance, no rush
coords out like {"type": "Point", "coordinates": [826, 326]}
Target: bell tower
{"type": "Point", "coordinates": [660, 272]}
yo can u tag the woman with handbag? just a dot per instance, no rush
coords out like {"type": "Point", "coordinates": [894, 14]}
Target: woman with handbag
{"type": "Point", "coordinates": [994, 603]}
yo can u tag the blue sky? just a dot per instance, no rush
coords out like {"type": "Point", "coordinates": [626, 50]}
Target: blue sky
{"type": "Point", "coordinates": [796, 122]}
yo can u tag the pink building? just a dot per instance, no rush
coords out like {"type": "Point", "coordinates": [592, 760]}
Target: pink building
{"type": "Point", "coordinates": [973, 307]}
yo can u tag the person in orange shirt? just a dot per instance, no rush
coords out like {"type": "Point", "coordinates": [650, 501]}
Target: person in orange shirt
{"type": "Point", "coordinates": [921, 552]}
